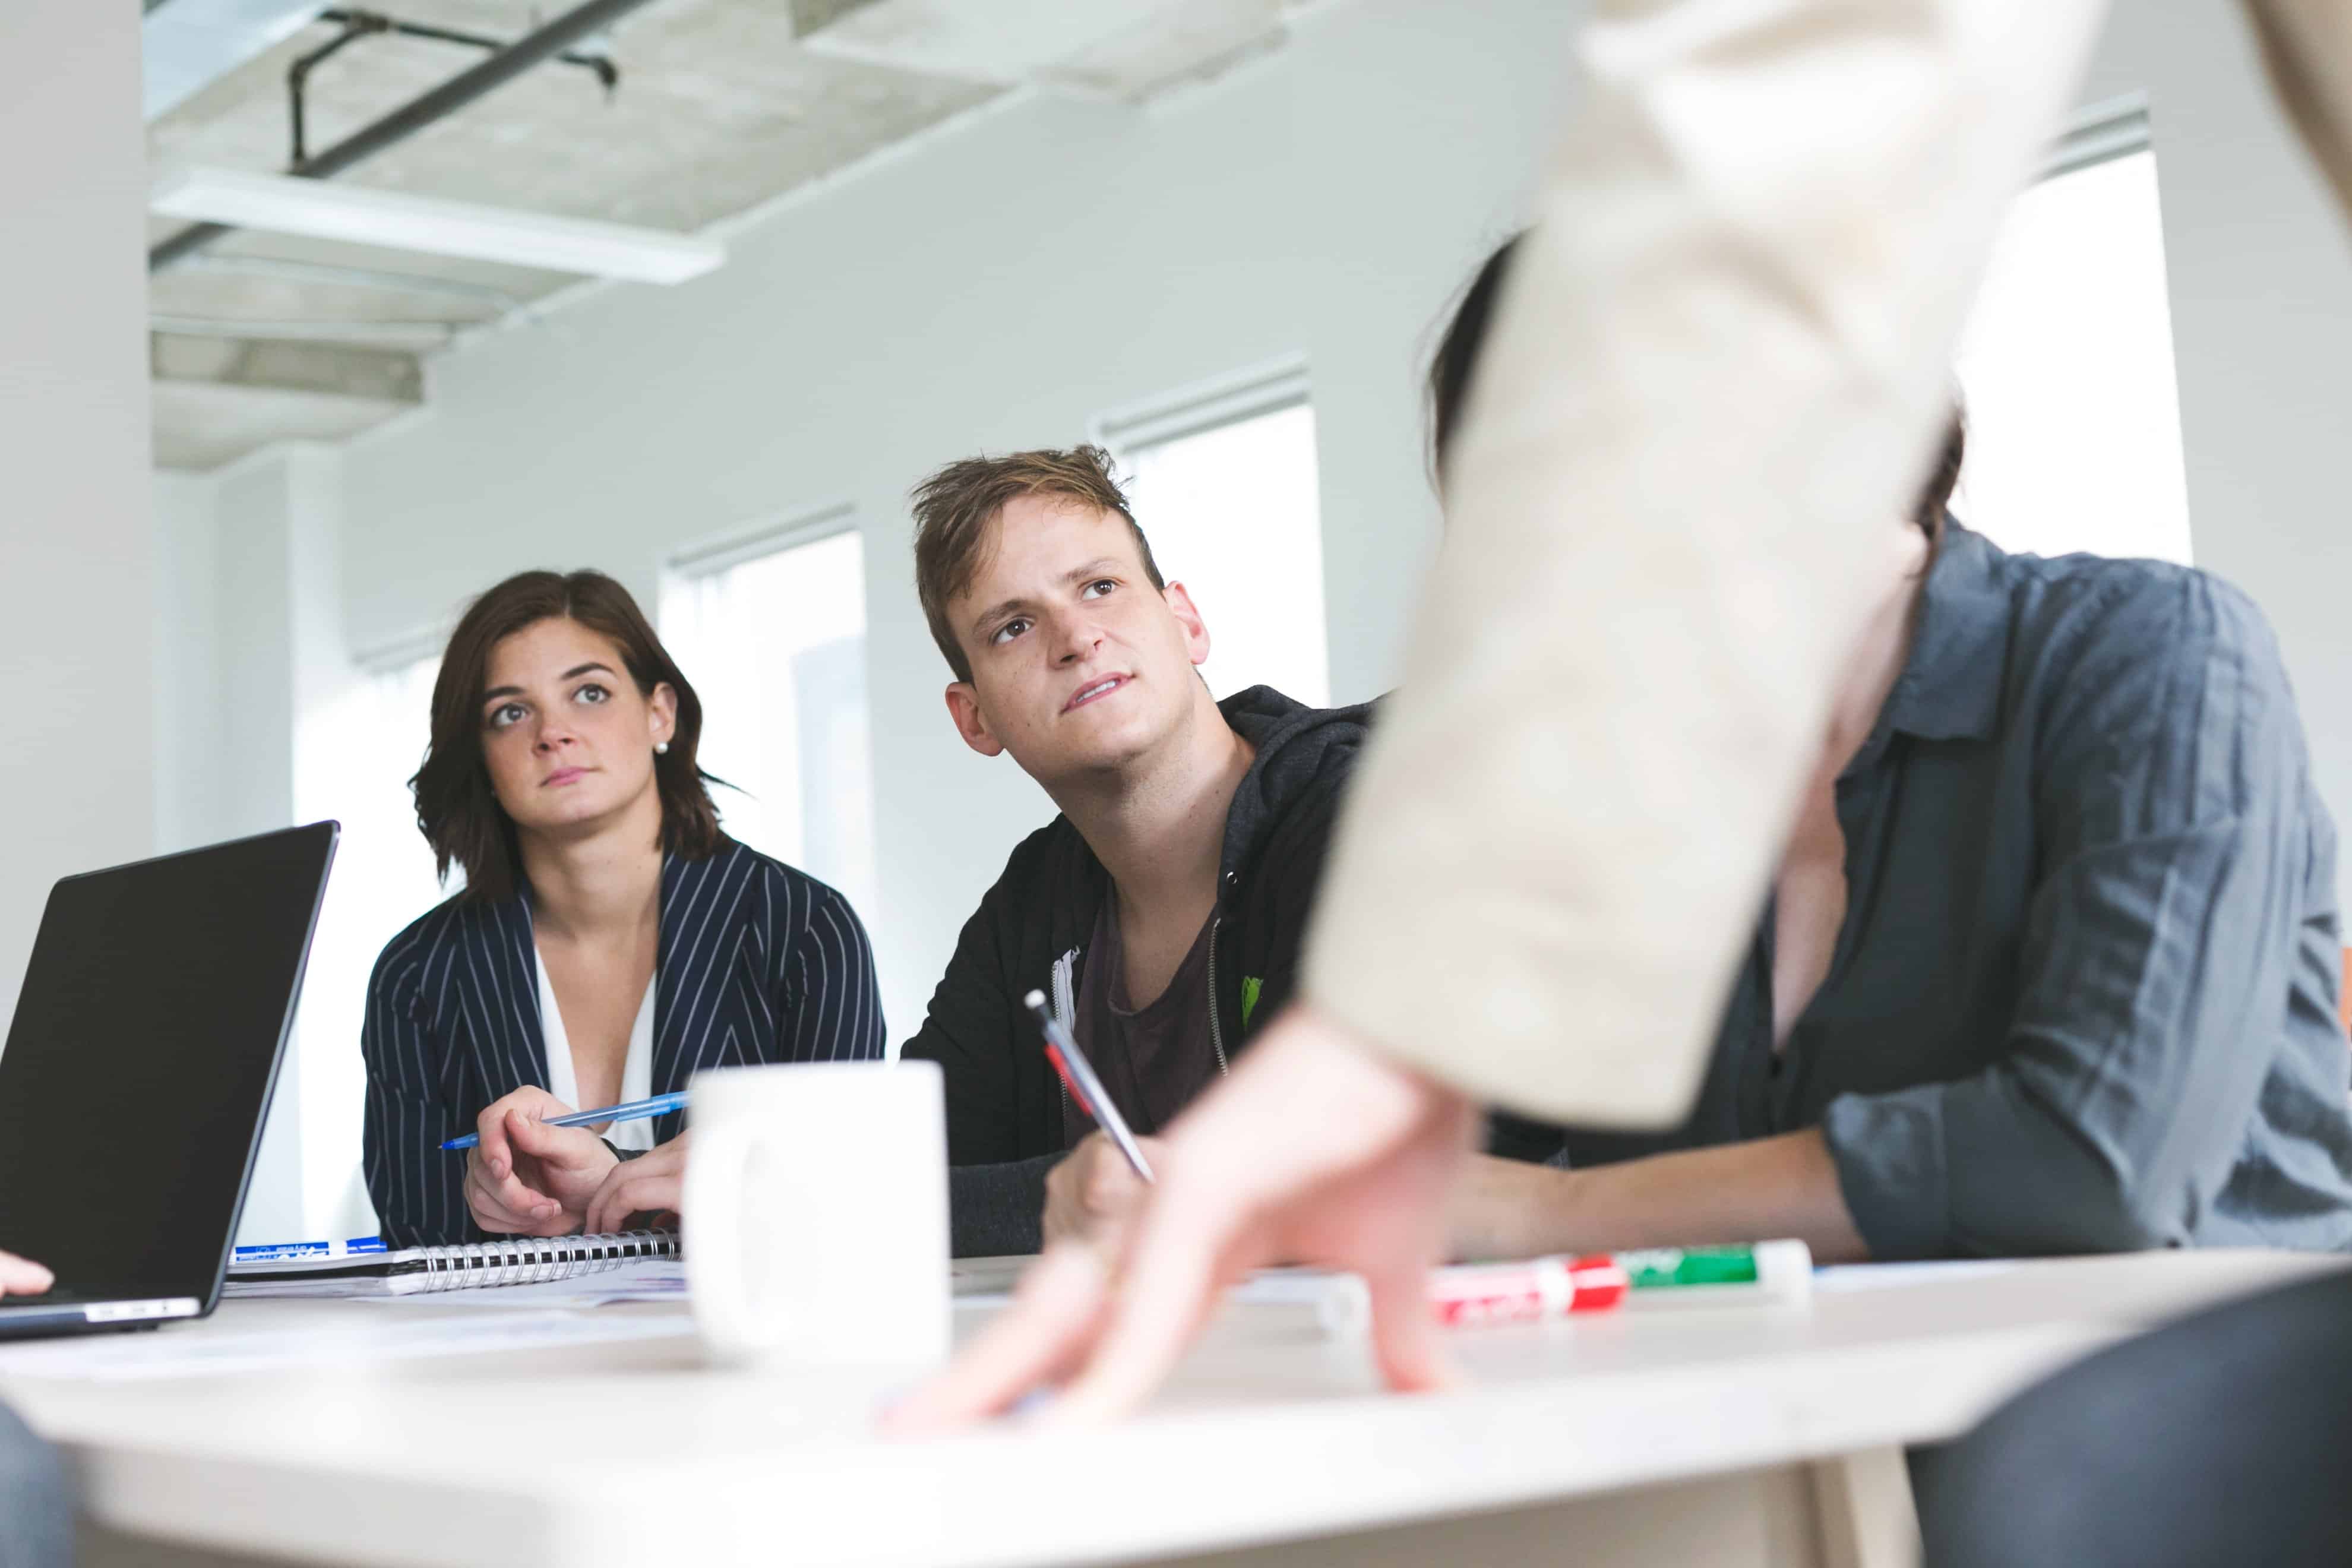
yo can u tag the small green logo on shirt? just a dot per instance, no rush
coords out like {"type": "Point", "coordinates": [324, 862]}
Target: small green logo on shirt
{"type": "Point", "coordinates": [1250, 985]}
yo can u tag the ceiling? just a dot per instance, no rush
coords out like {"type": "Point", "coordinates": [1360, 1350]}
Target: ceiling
{"type": "Point", "coordinates": [720, 106]}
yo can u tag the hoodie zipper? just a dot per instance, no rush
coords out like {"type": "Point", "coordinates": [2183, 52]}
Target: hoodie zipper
{"type": "Point", "coordinates": [1216, 1029]}
{"type": "Point", "coordinates": [1065, 1011]}
{"type": "Point", "coordinates": [1066, 1003]}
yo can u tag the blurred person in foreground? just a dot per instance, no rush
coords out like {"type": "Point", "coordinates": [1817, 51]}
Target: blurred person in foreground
{"type": "Point", "coordinates": [1719, 373]}
{"type": "Point", "coordinates": [36, 1498]}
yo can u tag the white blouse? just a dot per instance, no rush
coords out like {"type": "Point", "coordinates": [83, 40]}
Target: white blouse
{"type": "Point", "coordinates": [636, 1072]}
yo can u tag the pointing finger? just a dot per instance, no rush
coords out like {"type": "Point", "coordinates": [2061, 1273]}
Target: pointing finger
{"type": "Point", "coordinates": [1170, 1285]}
{"type": "Point", "coordinates": [1405, 1333]}
{"type": "Point", "coordinates": [1056, 1314]}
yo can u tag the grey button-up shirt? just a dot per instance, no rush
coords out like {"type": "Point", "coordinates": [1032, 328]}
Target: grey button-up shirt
{"type": "Point", "coordinates": [2084, 996]}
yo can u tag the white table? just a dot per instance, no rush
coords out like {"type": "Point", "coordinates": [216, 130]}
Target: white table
{"type": "Point", "coordinates": [1735, 1437]}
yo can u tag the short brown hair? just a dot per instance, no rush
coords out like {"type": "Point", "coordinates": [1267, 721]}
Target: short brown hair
{"type": "Point", "coordinates": [1458, 350]}
{"type": "Point", "coordinates": [955, 507]}
{"type": "Point", "coordinates": [458, 811]}
{"type": "Point", "coordinates": [1935, 500]}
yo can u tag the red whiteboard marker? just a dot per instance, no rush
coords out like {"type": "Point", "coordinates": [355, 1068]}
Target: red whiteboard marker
{"type": "Point", "coordinates": [1525, 1292]}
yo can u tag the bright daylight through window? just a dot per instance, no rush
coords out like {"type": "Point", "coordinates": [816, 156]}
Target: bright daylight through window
{"type": "Point", "coordinates": [775, 642]}
{"type": "Point", "coordinates": [2066, 363]}
{"type": "Point", "coordinates": [357, 759]}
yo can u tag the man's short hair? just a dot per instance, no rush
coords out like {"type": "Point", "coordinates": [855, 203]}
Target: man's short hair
{"type": "Point", "coordinates": [956, 508]}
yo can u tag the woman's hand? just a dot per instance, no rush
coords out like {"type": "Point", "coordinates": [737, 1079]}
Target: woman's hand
{"type": "Point", "coordinates": [1094, 1185]}
{"type": "Point", "coordinates": [23, 1276]}
{"type": "Point", "coordinates": [649, 1183]}
{"type": "Point", "coordinates": [527, 1178]}
{"type": "Point", "coordinates": [1361, 1183]}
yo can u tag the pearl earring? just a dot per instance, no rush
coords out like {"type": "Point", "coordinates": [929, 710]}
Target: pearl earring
{"type": "Point", "coordinates": [661, 748]}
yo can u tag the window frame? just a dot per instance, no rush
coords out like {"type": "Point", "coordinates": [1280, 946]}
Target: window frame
{"type": "Point", "coordinates": [771, 534]}
{"type": "Point", "coordinates": [1196, 409]}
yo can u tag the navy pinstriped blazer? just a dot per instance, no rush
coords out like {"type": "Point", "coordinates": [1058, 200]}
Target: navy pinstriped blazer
{"type": "Point", "coordinates": [758, 962]}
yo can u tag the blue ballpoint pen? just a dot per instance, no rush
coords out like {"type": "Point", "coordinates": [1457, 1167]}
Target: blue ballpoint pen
{"type": "Point", "coordinates": [659, 1105]}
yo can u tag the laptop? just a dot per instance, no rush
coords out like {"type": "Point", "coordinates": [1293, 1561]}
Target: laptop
{"type": "Point", "coordinates": [137, 1073]}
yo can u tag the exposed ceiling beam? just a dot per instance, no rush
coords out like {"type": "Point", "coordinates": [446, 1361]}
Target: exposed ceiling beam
{"type": "Point", "coordinates": [416, 336]}
{"type": "Point", "coordinates": [216, 401]}
{"type": "Point", "coordinates": [379, 375]}
{"type": "Point", "coordinates": [1126, 48]}
{"type": "Point", "coordinates": [484, 297]}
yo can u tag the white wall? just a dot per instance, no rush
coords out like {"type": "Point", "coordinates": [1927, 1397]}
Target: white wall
{"type": "Point", "coordinates": [77, 772]}
{"type": "Point", "coordinates": [998, 288]}
{"type": "Point", "coordinates": [195, 776]}
{"type": "Point", "coordinates": [250, 658]}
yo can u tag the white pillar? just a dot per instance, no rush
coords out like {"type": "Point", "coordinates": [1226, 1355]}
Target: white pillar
{"type": "Point", "coordinates": [77, 767]}
{"type": "Point", "coordinates": [279, 662]}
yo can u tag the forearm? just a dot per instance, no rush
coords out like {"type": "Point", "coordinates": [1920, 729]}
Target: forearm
{"type": "Point", "coordinates": [1758, 1191]}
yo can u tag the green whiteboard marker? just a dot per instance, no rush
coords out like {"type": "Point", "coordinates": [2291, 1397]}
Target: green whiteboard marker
{"type": "Point", "coordinates": [1769, 1272]}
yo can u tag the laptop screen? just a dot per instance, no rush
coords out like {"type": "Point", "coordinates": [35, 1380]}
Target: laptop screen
{"type": "Point", "coordinates": [140, 1059]}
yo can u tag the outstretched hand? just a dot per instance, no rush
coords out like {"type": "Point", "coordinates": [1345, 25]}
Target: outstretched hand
{"type": "Point", "coordinates": [1361, 1184]}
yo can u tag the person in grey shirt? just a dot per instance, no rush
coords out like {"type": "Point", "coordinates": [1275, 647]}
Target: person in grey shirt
{"type": "Point", "coordinates": [2050, 965]}
{"type": "Point", "coordinates": [2062, 933]}
{"type": "Point", "coordinates": [35, 1502]}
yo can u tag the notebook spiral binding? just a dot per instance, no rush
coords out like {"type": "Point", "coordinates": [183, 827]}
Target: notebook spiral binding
{"type": "Point", "coordinates": [523, 1260]}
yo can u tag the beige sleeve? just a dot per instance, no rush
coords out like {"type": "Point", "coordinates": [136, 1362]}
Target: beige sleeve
{"type": "Point", "coordinates": [1720, 363]}
{"type": "Point", "coordinates": [2307, 45]}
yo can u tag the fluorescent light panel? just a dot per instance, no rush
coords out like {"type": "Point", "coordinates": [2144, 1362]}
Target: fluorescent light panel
{"type": "Point", "coordinates": [324, 210]}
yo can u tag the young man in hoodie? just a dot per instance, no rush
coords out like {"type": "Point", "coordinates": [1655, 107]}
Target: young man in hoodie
{"type": "Point", "coordinates": [1162, 911]}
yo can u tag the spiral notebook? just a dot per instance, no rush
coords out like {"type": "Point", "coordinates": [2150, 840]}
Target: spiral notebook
{"type": "Point", "coordinates": [368, 1268]}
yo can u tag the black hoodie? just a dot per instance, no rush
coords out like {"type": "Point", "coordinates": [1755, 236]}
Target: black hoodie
{"type": "Point", "coordinates": [1004, 1109]}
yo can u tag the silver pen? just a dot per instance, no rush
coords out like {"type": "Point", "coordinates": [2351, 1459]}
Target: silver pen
{"type": "Point", "coordinates": [1079, 1078]}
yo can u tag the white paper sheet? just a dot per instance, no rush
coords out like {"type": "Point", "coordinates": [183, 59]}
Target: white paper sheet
{"type": "Point", "coordinates": [1334, 1301]}
{"type": "Point", "coordinates": [1845, 1277]}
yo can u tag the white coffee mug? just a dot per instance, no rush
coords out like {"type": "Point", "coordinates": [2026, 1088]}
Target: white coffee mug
{"type": "Point", "coordinates": [816, 1214]}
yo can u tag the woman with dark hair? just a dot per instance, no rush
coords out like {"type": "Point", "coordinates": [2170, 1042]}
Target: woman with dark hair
{"type": "Point", "coordinates": [609, 940]}
{"type": "Point", "coordinates": [2050, 962]}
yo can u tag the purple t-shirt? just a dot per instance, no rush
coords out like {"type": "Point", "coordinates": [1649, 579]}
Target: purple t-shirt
{"type": "Point", "coordinates": [1153, 1060]}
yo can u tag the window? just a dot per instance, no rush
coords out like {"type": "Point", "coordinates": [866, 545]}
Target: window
{"type": "Point", "coordinates": [1222, 480]}
{"type": "Point", "coordinates": [357, 756]}
{"type": "Point", "coordinates": [2067, 361]}
{"type": "Point", "coordinates": [771, 632]}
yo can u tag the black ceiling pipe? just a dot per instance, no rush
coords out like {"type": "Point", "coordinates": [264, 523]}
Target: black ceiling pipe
{"type": "Point", "coordinates": [460, 91]}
